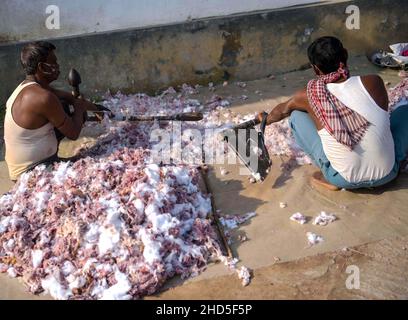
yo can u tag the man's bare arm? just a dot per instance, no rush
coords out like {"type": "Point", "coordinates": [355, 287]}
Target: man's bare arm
{"type": "Point", "coordinates": [67, 96]}
{"type": "Point", "coordinates": [375, 86]}
{"type": "Point", "coordinates": [283, 110]}
{"type": "Point", "coordinates": [50, 107]}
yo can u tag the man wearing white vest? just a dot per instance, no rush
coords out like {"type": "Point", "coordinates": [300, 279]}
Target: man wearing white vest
{"type": "Point", "coordinates": [342, 122]}
{"type": "Point", "coordinates": [35, 120]}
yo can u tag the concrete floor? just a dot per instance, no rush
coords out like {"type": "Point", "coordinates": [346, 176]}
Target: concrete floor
{"type": "Point", "coordinates": [374, 223]}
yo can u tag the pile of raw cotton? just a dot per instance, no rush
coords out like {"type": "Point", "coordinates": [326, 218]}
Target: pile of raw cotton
{"type": "Point", "coordinates": [217, 115]}
{"type": "Point", "coordinates": [106, 228]}
{"type": "Point", "coordinates": [110, 225]}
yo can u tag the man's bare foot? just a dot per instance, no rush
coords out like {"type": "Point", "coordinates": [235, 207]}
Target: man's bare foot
{"type": "Point", "coordinates": [318, 179]}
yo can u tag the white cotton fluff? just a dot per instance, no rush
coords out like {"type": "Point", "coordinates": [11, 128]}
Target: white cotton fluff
{"type": "Point", "coordinates": [67, 268]}
{"type": "Point", "coordinates": [247, 216]}
{"type": "Point", "coordinates": [12, 272]}
{"type": "Point", "coordinates": [257, 176]}
{"type": "Point", "coordinates": [324, 219]}
{"type": "Point", "coordinates": [223, 171]}
{"type": "Point", "coordinates": [60, 175]}
{"type": "Point", "coordinates": [283, 205]}
{"type": "Point", "coordinates": [228, 223]}
{"type": "Point", "coordinates": [75, 282]}
{"type": "Point", "coordinates": [113, 217]}
{"type": "Point", "coordinates": [245, 275]}
{"type": "Point", "coordinates": [139, 205]}
{"type": "Point", "coordinates": [182, 176]}
{"type": "Point", "coordinates": [92, 235]}
{"type": "Point", "coordinates": [109, 233]}
{"type": "Point", "coordinates": [186, 226]}
{"type": "Point", "coordinates": [44, 237]}
{"type": "Point", "coordinates": [153, 173]}
{"type": "Point", "coordinates": [52, 286]}
{"type": "Point", "coordinates": [105, 267]}
{"type": "Point", "coordinates": [159, 198]}
{"type": "Point", "coordinates": [42, 198]}
{"type": "Point", "coordinates": [100, 286]}
{"type": "Point", "coordinates": [6, 200]}
{"type": "Point", "coordinates": [299, 218]}
{"type": "Point", "coordinates": [180, 207]}
{"type": "Point", "coordinates": [42, 182]}
{"type": "Point", "coordinates": [108, 239]}
{"type": "Point", "coordinates": [143, 188]}
{"type": "Point", "coordinates": [90, 262]}
{"type": "Point", "coordinates": [151, 210]}
{"type": "Point", "coordinates": [313, 238]}
{"type": "Point", "coordinates": [36, 258]}
{"type": "Point", "coordinates": [202, 205]}
{"type": "Point", "coordinates": [112, 205]}
{"type": "Point", "coordinates": [9, 245]}
{"type": "Point", "coordinates": [151, 250]}
{"type": "Point", "coordinates": [4, 223]}
{"type": "Point", "coordinates": [231, 263]}
{"type": "Point", "coordinates": [119, 290]}
{"type": "Point", "coordinates": [256, 150]}
{"type": "Point", "coordinates": [22, 185]}
{"type": "Point", "coordinates": [118, 163]}
{"type": "Point", "coordinates": [161, 222]}
{"type": "Point", "coordinates": [188, 249]}
{"type": "Point", "coordinates": [232, 222]}
{"type": "Point", "coordinates": [166, 191]}
{"type": "Point", "coordinates": [16, 207]}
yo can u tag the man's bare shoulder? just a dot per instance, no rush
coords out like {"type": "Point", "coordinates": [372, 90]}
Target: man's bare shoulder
{"type": "Point", "coordinates": [38, 98]}
{"type": "Point", "coordinates": [375, 86]}
{"type": "Point", "coordinates": [372, 79]}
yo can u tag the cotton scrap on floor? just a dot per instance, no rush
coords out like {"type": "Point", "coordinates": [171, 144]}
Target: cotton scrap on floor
{"type": "Point", "coordinates": [232, 222]}
{"type": "Point", "coordinates": [324, 219]}
{"type": "Point", "coordinates": [299, 218]}
{"type": "Point", "coordinates": [283, 205]}
{"type": "Point", "coordinates": [313, 238]}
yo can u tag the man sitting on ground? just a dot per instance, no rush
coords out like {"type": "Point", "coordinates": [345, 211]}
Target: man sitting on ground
{"type": "Point", "coordinates": [35, 119]}
{"type": "Point", "coordinates": [342, 123]}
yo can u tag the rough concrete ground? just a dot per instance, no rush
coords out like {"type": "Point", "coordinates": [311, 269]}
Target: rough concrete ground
{"type": "Point", "coordinates": [382, 266]}
{"type": "Point", "coordinates": [373, 222]}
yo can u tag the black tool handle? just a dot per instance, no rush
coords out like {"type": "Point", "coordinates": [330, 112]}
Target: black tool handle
{"type": "Point", "coordinates": [254, 122]}
{"type": "Point", "coordinates": [188, 116]}
{"type": "Point", "coordinates": [104, 110]}
{"type": "Point", "coordinates": [247, 124]}
{"type": "Point", "coordinates": [263, 122]}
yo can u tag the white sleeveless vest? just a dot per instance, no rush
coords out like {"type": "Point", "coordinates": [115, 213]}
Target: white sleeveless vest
{"type": "Point", "coordinates": [374, 157]}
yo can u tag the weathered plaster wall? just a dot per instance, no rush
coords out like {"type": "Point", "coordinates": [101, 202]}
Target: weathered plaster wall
{"type": "Point", "coordinates": [242, 47]}
{"type": "Point", "coordinates": [25, 19]}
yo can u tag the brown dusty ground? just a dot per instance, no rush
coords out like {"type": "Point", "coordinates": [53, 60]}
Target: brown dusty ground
{"type": "Point", "coordinates": [374, 223]}
{"type": "Point", "coordinates": [381, 266]}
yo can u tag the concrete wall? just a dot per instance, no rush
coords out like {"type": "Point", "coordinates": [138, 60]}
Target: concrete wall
{"type": "Point", "coordinates": [242, 47]}
{"type": "Point", "coordinates": [25, 19]}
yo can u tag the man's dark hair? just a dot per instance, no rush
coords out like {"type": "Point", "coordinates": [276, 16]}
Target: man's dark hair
{"type": "Point", "coordinates": [34, 53]}
{"type": "Point", "coordinates": [326, 53]}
